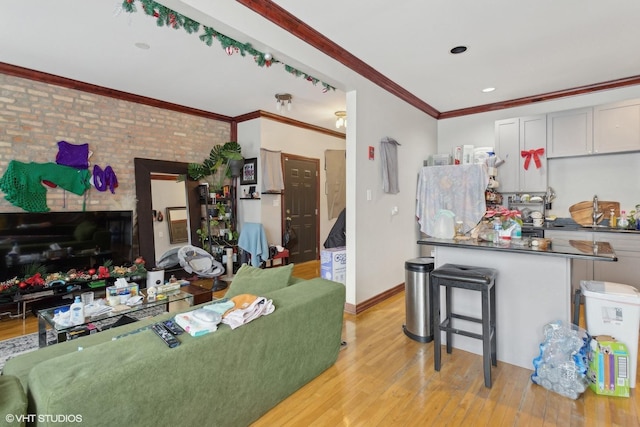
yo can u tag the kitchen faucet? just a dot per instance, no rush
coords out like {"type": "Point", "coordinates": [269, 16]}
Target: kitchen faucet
{"type": "Point", "coordinates": [596, 214]}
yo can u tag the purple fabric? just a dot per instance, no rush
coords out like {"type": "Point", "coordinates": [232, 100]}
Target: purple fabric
{"type": "Point", "coordinates": [104, 178]}
{"type": "Point", "coordinates": [76, 156]}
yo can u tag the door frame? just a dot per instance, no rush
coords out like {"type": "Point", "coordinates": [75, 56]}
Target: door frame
{"type": "Point", "coordinates": [283, 205]}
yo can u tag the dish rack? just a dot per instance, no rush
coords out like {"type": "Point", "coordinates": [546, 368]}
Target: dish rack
{"type": "Point", "coordinates": [527, 208]}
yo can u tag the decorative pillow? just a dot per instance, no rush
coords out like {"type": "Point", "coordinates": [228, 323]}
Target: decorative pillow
{"type": "Point", "coordinates": [258, 281]}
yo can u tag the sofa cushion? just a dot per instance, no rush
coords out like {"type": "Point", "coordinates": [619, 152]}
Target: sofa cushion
{"type": "Point", "coordinates": [13, 400]}
{"type": "Point", "coordinates": [258, 281]}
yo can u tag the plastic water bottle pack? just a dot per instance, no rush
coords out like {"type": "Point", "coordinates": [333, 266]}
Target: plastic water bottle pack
{"type": "Point", "coordinates": [562, 364]}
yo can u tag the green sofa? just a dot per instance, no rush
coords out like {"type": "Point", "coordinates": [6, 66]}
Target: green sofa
{"type": "Point", "coordinates": [225, 378]}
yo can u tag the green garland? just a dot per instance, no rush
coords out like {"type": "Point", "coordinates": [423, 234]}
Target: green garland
{"type": "Point", "coordinates": [170, 18]}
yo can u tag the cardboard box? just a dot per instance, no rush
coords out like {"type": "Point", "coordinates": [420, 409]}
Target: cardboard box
{"type": "Point", "coordinates": [609, 367]}
{"type": "Point", "coordinates": [131, 289]}
{"type": "Point", "coordinates": [467, 154]}
{"type": "Point", "coordinates": [333, 264]}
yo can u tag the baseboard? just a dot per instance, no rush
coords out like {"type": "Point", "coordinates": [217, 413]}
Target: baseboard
{"type": "Point", "coordinates": [359, 308]}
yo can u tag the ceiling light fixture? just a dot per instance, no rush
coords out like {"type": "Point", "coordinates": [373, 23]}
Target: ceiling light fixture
{"type": "Point", "coordinates": [282, 99]}
{"type": "Point", "coordinates": [458, 49]}
{"type": "Point", "coordinates": [341, 119]}
{"type": "Point", "coordinates": [488, 89]}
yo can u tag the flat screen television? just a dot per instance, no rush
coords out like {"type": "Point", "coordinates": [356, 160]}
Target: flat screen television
{"type": "Point", "coordinates": [61, 241]}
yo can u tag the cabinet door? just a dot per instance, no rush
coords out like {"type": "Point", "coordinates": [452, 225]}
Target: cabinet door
{"type": "Point", "coordinates": [617, 127]}
{"type": "Point", "coordinates": [533, 135]}
{"type": "Point", "coordinates": [627, 269]}
{"type": "Point", "coordinates": [581, 269]}
{"type": "Point", "coordinates": [507, 134]}
{"type": "Point", "coordinates": [570, 133]}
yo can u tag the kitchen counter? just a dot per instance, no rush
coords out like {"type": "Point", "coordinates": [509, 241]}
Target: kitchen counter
{"type": "Point", "coordinates": [565, 224]}
{"type": "Point", "coordinates": [582, 249]}
{"type": "Point", "coordinates": [533, 288]}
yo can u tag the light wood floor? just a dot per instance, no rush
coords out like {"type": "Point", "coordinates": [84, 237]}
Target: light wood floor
{"type": "Point", "coordinates": [383, 378]}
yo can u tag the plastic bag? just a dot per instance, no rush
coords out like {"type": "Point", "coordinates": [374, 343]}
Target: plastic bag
{"type": "Point", "coordinates": [562, 363]}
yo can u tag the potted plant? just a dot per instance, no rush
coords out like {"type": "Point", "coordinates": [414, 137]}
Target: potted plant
{"type": "Point", "coordinates": [224, 161]}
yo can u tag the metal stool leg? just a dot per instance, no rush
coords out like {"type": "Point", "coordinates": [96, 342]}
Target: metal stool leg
{"type": "Point", "coordinates": [435, 315]}
{"type": "Point", "coordinates": [493, 330]}
{"type": "Point", "coordinates": [448, 318]}
{"type": "Point", "coordinates": [486, 338]}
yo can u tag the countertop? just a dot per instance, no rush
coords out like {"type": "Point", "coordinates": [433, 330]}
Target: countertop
{"type": "Point", "coordinates": [567, 224]}
{"type": "Point", "coordinates": [581, 249]}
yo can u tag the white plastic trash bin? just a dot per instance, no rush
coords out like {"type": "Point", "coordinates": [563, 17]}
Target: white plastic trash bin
{"type": "Point", "coordinates": [614, 309]}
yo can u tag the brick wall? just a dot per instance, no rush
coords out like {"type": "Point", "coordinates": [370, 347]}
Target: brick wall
{"type": "Point", "coordinates": [34, 116]}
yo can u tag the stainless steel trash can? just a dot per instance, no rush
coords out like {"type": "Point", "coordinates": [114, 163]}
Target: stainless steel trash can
{"type": "Point", "coordinates": [417, 288]}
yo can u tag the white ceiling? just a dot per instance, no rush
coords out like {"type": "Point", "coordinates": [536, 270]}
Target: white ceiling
{"type": "Point", "coordinates": [521, 48]}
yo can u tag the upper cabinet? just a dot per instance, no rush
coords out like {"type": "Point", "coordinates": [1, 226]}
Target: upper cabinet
{"type": "Point", "coordinates": [603, 129]}
{"type": "Point", "coordinates": [616, 127]}
{"type": "Point", "coordinates": [570, 133]}
{"type": "Point", "coordinates": [516, 136]}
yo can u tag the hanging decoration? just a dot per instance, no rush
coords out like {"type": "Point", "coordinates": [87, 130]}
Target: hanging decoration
{"type": "Point", "coordinates": [170, 18]}
{"type": "Point", "coordinates": [535, 154]}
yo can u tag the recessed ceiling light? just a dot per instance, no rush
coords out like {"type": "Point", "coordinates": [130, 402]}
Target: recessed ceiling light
{"type": "Point", "coordinates": [458, 49]}
{"type": "Point", "coordinates": [141, 45]}
{"type": "Point", "coordinates": [488, 89]}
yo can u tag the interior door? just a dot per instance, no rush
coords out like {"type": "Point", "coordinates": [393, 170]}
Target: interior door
{"type": "Point", "coordinates": [301, 203]}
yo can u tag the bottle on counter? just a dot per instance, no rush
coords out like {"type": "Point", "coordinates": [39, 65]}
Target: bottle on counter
{"type": "Point", "coordinates": [612, 219]}
{"type": "Point", "coordinates": [77, 312]}
{"type": "Point", "coordinates": [623, 221]}
{"type": "Point", "coordinates": [497, 226]}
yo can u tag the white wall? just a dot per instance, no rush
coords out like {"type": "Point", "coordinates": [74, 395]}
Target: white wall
{"type": "Point", "coordinates": [612, 177]}
{"type": "Point", "coordinates": [379, 243]}
{"type": "Point", "coordinates": [249, 138]}
{"type": "Point", "coordinates": [277, 136]}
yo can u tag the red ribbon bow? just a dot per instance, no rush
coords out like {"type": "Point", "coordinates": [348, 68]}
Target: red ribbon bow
{"type": "Point", "coordinates": [536, 157]}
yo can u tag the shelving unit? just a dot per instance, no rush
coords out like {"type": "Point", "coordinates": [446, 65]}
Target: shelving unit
{"type": "Point", "coordinates": [227, 222]}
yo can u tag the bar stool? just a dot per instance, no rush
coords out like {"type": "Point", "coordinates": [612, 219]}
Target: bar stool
{"type": "Point", "coordinates": [475, 279]}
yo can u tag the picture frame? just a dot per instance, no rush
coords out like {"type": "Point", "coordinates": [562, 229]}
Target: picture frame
{"type": "Point", "coordinates": [249, 171]}
{"type": "Point", "coordinates": [177, 223]}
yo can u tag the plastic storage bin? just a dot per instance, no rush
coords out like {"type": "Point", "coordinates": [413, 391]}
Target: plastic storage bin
{"type": "Point", "coordinates": [614, 309]}
{"type": "Point", "coordinates": [417, 287]}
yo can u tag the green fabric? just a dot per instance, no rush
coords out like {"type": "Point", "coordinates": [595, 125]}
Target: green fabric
{"type": "Point", "coordinates": [258, 281]}
{"type": "Point", "coordinates": [13, 400]}
{"type": "Point", "coordinates": [226, 378]}
{"type": "Point", "coordinates": [22, 185]}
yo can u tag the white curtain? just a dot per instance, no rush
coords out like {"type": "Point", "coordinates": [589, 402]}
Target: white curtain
{"type": "Point", "coordinates": [335, 167]}
{"type": "Point", "coordinates": [272, 177]}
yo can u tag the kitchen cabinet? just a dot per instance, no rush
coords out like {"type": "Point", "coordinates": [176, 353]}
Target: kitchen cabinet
{"type": "Point", "coordinates": [581, 269]}
{"type": "Point", "coordinates": [627, 248]}
{"type": "Point", "coordinates": [570, 133]}
{"type": "Point", "coordinates": [616, 127]}
{"type": "Point", "coordinates": [627, 269]}
{"type": "Point", "coordinates": [512, 137]}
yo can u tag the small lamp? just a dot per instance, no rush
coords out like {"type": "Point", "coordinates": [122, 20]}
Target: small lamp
{"type": "Point", "coordinates": [282, 99]}
{"type": "Point", "coordinates": [341, 119]}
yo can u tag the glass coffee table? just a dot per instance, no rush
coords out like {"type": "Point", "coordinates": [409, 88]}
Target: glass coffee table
{"type": "Point", "coordinates": [63, 331]}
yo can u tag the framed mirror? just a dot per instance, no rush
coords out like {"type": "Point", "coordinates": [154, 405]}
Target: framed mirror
{"type": "Point", "coordinates": [144, 168]}
{"type": "Point", "coordinates": [177, 223]}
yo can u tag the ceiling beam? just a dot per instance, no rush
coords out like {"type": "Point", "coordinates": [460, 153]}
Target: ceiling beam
{"type": "Point", "coordinates": [293, 25]}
